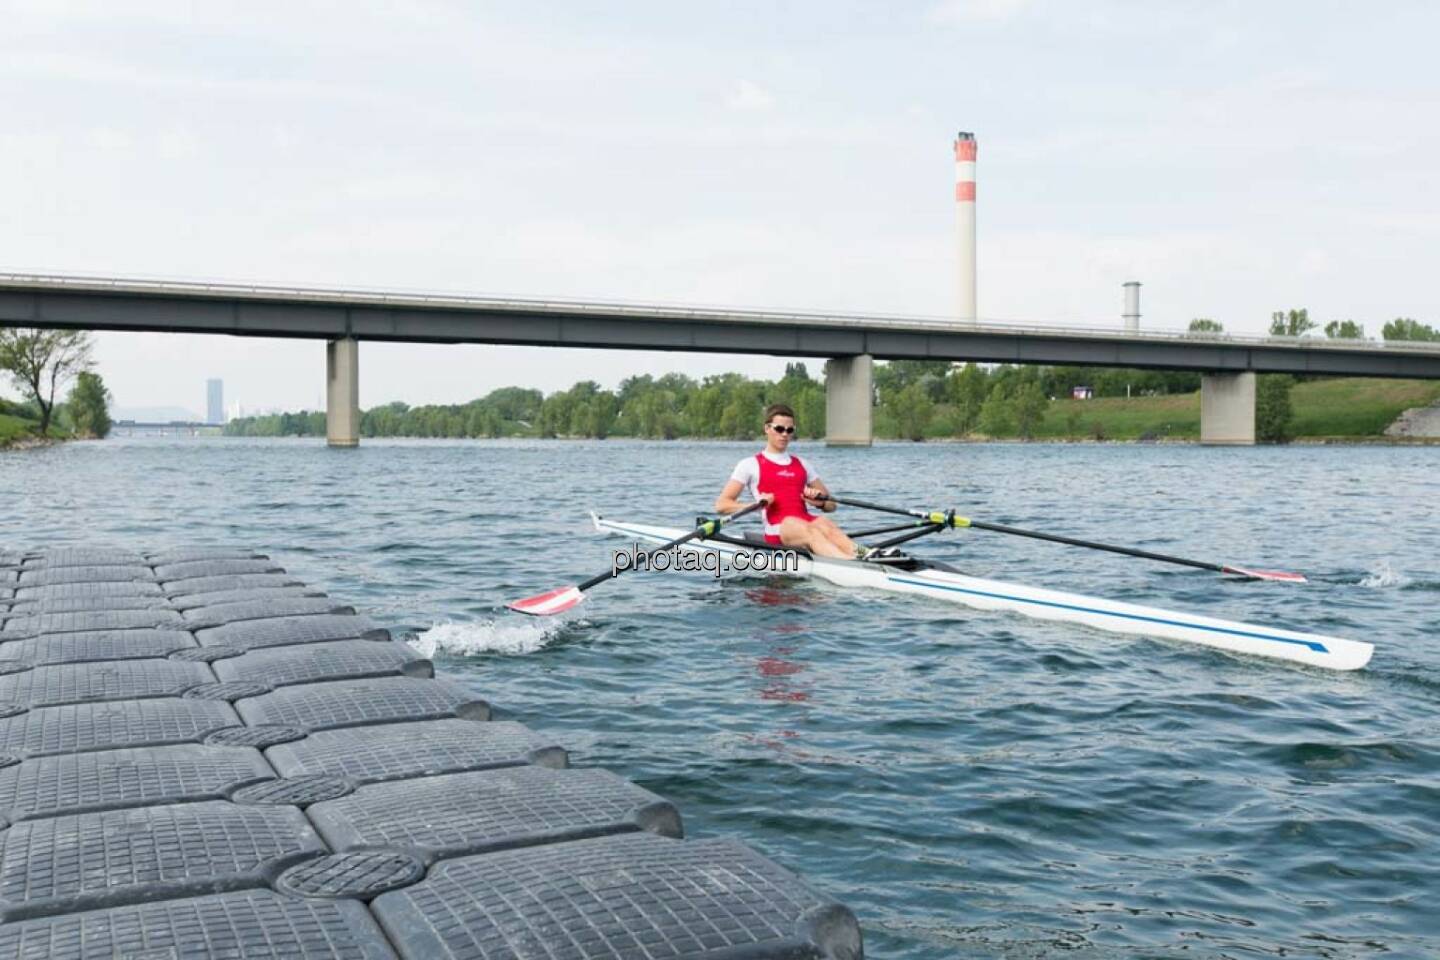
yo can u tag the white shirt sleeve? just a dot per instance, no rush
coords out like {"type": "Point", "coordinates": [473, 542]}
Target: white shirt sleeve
{"type": "Point", "coordinates": [747, 471]}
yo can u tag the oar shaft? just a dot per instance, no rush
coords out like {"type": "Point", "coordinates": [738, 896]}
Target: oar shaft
{"type": "Point", "coordinates": [706, 530]}
{"type": "Point", "coordinates": [1071, 541]}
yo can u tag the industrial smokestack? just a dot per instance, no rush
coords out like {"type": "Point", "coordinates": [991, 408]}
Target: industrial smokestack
{"type": "Point", "coordinates": [965, 150]}
{"type": "Point", "coordinates": [1132, 307]}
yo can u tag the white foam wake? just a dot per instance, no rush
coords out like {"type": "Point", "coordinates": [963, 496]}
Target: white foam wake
{"type": "Point", "coordinates": [516, 636]}
{"type": "Point", "coordinates": [1383, 575]}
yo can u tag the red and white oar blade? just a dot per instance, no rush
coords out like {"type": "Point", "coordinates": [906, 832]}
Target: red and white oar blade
{"type": "Point", "coordinates": [1280, 575]}
{"type": "Point", "coordinates": [548, 604]}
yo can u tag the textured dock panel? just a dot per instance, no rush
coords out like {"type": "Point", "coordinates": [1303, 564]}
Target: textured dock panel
{"type": "Point", "coordinates": [334, 660]}
{"type": "Point", "coordinates": [398, 750]}
{"type": "Point", "coordinates": [273, 633]}
{"type": "Point", "coordinates": [110, 779]}
{"type": "Point", "coordinates": [112, 680]}
{"type": "Point", "coordinates": [91, 860]}
{"type": "Point", "coordinates": [35, 608]}
{"type": "Point", "coordinates": [109, 588]}
{"type": "Point", "coordinates": [213, 597]}
{"type": "Point", "coordinates": [101, 645]}
{"type": "Point", "coordinates": [467, 813]}
{"type": "Point", "coordinates": [85, 557]}
{"type": "Point", "coordinates": [92, 621]}
{"type": "Point", "coordinates": [634, 895]}
{"type": "Point", "coordinates": [237, 581]}
{"type": "Point", "coordinates": [187, 554]}
{"type": "Point", "coordinates": [201, 617]}
{"type": "Point", "coordinates": [393, 752]}
{"type": "Point", "coordinates": [117, 723]}
{"type": "Point", "coordinates": [251, 924]}
{"type": "Point", "coordinates": [50, 576]}
{"type": "Point", "coordinates": [189, 569]}
{"type": "Point", "coordinates": [348, 703]}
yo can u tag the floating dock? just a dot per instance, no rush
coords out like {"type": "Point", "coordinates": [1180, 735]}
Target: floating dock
{"type": "Point", "coordinates": [200, 756]}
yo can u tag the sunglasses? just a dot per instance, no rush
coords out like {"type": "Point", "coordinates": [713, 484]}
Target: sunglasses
{"type": "Point", "coordinates": [779, 429]}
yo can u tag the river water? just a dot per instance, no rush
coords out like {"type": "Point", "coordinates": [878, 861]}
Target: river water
{"type": "Point", "coordinates": [972, 784]}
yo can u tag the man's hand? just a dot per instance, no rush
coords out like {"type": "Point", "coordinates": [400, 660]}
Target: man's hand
{"type": "Point", "coordinates": [765, 498]}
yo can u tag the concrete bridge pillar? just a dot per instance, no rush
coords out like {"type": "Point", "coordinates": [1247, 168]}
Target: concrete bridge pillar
{"type": "Point", "coordinates": [849, 390]}
{"type": "Point", "coordinates": [342, 393]}
{"type": "Point", "coordinates": [1227, 408]}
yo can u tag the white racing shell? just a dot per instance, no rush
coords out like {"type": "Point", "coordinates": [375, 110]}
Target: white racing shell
{"type": "Point", "coordinates": [1333, 653]}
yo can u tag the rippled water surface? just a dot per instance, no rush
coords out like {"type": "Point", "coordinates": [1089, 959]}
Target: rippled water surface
{"type": "Point", "coordinates": [971, 784]}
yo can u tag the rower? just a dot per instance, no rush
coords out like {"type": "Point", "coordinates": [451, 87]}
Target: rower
{"type": "Point", "coordinates": [788, 488]}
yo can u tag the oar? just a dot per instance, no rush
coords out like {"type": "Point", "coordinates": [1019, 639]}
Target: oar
{"type": "Point", "coordinates": [951, 519]}
{"type": "Point", "coordinates": [563, 598]}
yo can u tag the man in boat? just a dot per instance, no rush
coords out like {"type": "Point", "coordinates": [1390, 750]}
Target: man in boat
{"type": "Point", "coordinates": [788, 488]}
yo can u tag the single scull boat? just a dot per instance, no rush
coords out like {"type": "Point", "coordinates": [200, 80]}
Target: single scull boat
{"type": "Point", "coordinates": [904, 574]}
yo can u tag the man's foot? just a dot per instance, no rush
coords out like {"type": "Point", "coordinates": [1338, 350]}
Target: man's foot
{"type": "Point", "coordinates": [879, 555]}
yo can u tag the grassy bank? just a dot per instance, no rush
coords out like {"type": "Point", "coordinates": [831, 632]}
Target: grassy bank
{"type": "Point", "coordinates": [14, 428]}
{"type": "Point", "coordinates": [1351, 407]}
{"type": "Point", "coordinates": [1356, 407]}
{"type": "Point", "coordinates": [1344, 408]}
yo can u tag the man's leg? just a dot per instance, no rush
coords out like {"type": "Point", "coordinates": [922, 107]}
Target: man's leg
{"type": "Point", "coordinates": [827, 528]}
{"type": "Point", "coordinates": [795, 532]}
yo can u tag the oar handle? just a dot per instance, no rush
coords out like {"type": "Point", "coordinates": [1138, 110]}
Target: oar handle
{"type": "Point", "coordinates": [706, 529]}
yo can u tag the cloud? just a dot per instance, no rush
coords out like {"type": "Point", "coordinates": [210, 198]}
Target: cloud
{"type": "Point", "coordinates": [749, 97]}
{"type": "Point", "coordinates": [976, 11]}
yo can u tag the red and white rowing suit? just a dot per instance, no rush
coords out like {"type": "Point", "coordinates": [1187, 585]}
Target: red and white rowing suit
{"type": "Point", "coordinates": [785, 476]}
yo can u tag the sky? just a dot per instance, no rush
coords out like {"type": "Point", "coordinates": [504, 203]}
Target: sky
{"type": "Point", "coordinates": [1235, 158]}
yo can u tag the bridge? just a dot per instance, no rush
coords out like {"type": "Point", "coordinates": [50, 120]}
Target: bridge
{"type": "Point", "coordinates": [176, 428]}
{"type": "Point", "coordinates": [850, 342]}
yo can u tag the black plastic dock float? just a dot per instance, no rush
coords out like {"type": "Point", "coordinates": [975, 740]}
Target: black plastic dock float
{"type": "Point", "coordinates": [201, 756]}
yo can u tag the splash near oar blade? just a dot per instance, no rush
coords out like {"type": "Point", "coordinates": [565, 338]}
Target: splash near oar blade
{"type": "Point", "coordinates": [1280, 575]}
{"type": "Point", "coordinates": [550, 603]}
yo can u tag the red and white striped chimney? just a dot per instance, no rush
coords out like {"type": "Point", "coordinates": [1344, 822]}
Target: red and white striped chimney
{"type": "Point", "coordinates": [965, 150]}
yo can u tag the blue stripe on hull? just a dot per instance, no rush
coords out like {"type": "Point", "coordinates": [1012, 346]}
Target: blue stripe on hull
{"type": "Point", "coordinates": [1311, 644]}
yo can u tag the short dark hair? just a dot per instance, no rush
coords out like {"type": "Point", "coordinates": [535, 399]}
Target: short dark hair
{"type": "Point", "coordinates": [778, 410]}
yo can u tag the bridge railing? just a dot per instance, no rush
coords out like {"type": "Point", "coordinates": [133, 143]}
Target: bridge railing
{"type": "Point", "coordinates": [677, 311]}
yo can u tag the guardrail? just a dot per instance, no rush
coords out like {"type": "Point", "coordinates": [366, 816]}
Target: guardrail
{"type": "Point", "coordinates": [668, 311]}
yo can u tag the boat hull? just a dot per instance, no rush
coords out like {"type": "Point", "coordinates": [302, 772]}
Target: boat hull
{"type": "Point", "coordinates": [1111, 616]}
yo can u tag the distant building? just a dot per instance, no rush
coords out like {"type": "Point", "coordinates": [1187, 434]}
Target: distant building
{"type": "Point", "coordinates": [215, 401]}
{"type": "Point", "coordinates": [1081, 393]}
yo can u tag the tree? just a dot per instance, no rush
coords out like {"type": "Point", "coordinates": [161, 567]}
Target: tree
{"type": "Point", "coordinates": [997, 414]}
{"type": "Point", "coordinates": [912, 409]}
{"type": "Point", "coordinates": [40, 362]}
{"type": "Point", "coordinates": [1291, 323]}
{"type": "Point", "coordinates": [89, 406]}
{"type": "Point", "coordinates": [1030, 406]}
{"type": "Point", "coordinates": [1403, 328]}
{"type": "Point", "coordinates": [1344, 330]}
{"type": "Point", "coordinates": [968, 389]}
{"type": "Point", "coordinates": [1273, 413]}
{"type": "Point", "coordinates": [1206, 325]}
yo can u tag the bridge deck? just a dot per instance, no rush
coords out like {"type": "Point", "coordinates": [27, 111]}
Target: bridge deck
{"type": "Point", "coordinates": [200, 755]}
{"type": "Point", "coordinates": [111, 303]}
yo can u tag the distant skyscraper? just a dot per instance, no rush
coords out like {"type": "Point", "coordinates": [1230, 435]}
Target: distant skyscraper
{"type": "Point", "coordinates": [215, 401]}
